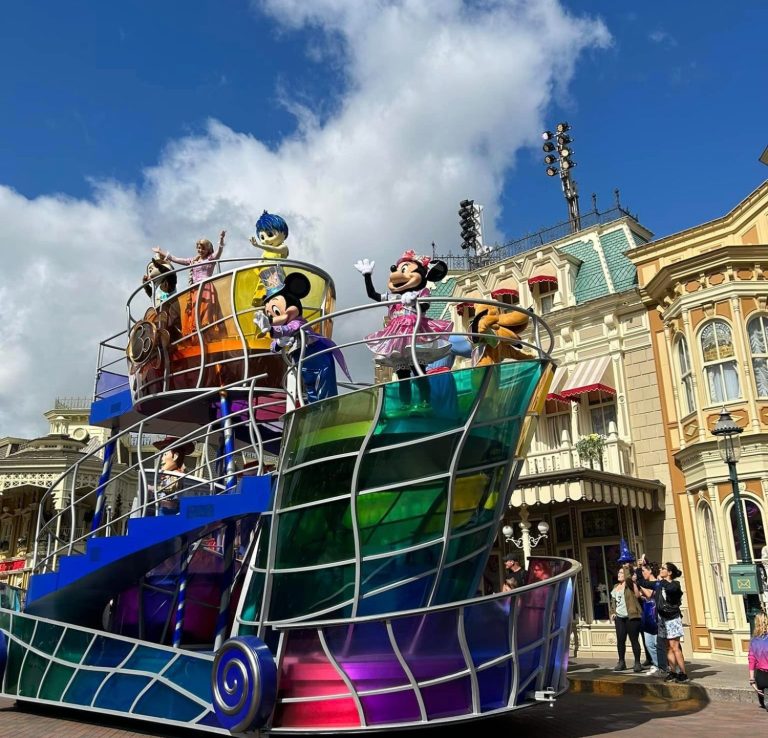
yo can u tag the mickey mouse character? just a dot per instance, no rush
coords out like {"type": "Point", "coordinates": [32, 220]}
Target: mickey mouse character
{"type": "Point", "coordinates": [407, 282]}
{"type": "Point", "coordinates": [164, 288]}
{"type": "Point", "coordinates": [283, 319]}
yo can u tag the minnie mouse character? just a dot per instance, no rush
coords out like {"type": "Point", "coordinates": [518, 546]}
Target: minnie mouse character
{"type": "Point", "coordinates": [392, 345]}
{"type": "Point", "coordinates": [283, 319]}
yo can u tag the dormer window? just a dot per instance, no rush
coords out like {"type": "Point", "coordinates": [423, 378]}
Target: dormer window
{"type": "Point", "coordinates": [543, 285]}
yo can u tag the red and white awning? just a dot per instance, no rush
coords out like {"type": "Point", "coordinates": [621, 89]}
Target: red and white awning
{"type": "Point", "coordinates": [561, 374]}
{"type": "Point", "coordinates": [544, 273]}
{"type": "Point", "coordinates": [593, 375]}
{"type": "Point", "coordinates": [505, 287]}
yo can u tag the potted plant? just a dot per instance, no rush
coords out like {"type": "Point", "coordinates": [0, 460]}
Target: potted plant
{"type": "Point", "coordinates": [590, 448]}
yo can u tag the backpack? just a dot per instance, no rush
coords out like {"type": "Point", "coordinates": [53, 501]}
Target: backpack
{"type": "Point", "coordinates": [664, 608]}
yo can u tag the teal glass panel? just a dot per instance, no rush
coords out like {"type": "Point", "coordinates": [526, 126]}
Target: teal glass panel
{"type": "Point", "coordinates": [317, 482]}
{"type": "Point", "coordinates": [148, 659]}
{"type": "Point", "coordinates": [107, 652]}
{"type": "Point", "coordinates": [22, 628]}
{"type": "Point", "coordinates": [32, 674]}
{"type": "Point", "coordinates": [404, 517]}
{"type": "Point", "coordinates": [417, 460]}
{"type": "Point", "coordinates": [120, 690]}
{"type": "Point", "coordinates": [509, 389]}
{"type": "Point", "coordinates": [298, 593]}
{"type": "Point", "coordinates": [73, 645]}
{"type": "Point", "coordinates": [459, 582]}
{"type": "Point", "coordinates": [164, 702]}
{"type": "Point", "coordinates": [55, 682]}
{"type": "Point", "coordinates": [252, 600]}
{"type": "Point", "coordinates": [83, 687]}
{"type": "Point", "coordinates": [333, 426]}
{"type": "Point", "coordinates": [47, 636]}
{"type": "Point", "coordinates": [13, 666]}
{"type": "Point", "coordinates": [5, 621]}
{"type": "Point", "coordinates": [191, 674]}
{"type": "Point", "coordinates": [490, 444]}
{"type": "Point", "coordinates": [469, 544]}
{"type": "Point", "coordinates": [320, 534]}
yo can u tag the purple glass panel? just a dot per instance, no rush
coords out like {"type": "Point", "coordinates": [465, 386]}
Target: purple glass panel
{"type": "Point", "coordinates": [395, 707]}
{"type": "Point", "coordinates": [486, 626]}
{"type": "Point", "coordinates": [365, 654]}
{"type": "Point", "coordinates": [448, 698]}
{"type": "Point", "coordinates": [430, 644]}
{"type": "Point", "coordinates": [494, 684]}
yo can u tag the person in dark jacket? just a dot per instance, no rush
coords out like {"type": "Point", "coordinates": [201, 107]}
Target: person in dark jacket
{"type": "Point", "coordinates": [626, 615]}
{"type": "Point", "coordinates": [668, 597]}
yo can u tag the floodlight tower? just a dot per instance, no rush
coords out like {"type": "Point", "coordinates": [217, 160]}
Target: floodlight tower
{"type": "Point", "coordinates": [560, 142]}
{"type": "Point", "coordinates": [470, 223]}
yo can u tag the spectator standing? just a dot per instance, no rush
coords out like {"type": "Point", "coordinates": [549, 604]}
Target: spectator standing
{"type": "Point", "coordinates": [626, 618]}
{"type": "Point", "coordinates": [648, 621]}
{"type": "Point", "coordinates": [514, 570]}
{"type": "Point", "coordinates": [758, 658]}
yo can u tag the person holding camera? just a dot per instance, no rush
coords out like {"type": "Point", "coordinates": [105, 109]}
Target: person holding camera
{"type": "Point", "coordinates": [668, 597]}
{"type": "Point", "coordinates": [626, 615]}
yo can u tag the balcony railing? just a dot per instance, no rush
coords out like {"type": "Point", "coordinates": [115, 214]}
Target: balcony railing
{"type": "Point", "coordinates": [468, 263]}
{"type": "Point", "coordinates": [618, 458]}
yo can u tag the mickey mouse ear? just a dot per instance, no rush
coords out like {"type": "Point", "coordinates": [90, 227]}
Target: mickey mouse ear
{"type": "Point", "coordinates": [297, 284]}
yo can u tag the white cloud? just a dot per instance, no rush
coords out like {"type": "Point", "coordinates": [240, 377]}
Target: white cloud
{"type": "Point", "coordinates": [440, 95]}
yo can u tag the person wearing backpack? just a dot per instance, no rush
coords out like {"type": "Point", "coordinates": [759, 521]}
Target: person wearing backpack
{"type": "Point", "coordinates": [668, 597]}
{"type": "Point", "coordinates": [649, 621]}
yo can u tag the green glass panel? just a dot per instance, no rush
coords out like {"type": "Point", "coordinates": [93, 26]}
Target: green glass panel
{"type": "Point", "coordinates": [300, 593]}
{"type": "Point", "coordinates": [73, 645]}
{"type": "Point", "coordinates": [317, 482]}
{"type": "Point", "coordinates": [47, 636]}
{"type": "Point", "coordinates": [400, 518]}
{"type": "Point", "coordinates": [490, 444]}
{"type": "Point", "coordinates": [23, 628]}
{"type": "Point", "coordinates": [56, 681]}
{"type": "Point", "coordinates": [459, 581]}
{"type": "Point", "coordinates": [333, 426]}
{"type": "Point", "coordinates": [320, 534]}
{"type": "Point", "coordinates": [32, 674]}
{"type": "Point", "coordinates": [398, 465]}
{"type": "Point", "coordinates": [13, 667]}
{"type": "Point", "coordinates": [5, 621]}
{"type": "Point", "coordinates": [263, 551]}
{"type": "Point", "coordinates": [252, 601]}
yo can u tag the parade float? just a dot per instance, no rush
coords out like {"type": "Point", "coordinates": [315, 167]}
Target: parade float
{"type": "Point", "coordinates": [304, 547]}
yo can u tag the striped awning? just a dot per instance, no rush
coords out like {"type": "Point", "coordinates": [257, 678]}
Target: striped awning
{"type": "Point", "coordinates": [505, 287]}
{"type": "Point", "coordinates": [593, 375]}
{"type": "Point", "coordinates": [561, 374]}
{"type": "Point", "coordinates": [544, 273]}
{"type": "Point", "coordinates": [462, 307]}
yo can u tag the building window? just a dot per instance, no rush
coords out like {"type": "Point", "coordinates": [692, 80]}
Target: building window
{"type": "Point", "coordinates": [556, 426]}
{"type": "Point", "coordinates": [755, 529]}
{"type": "Point", "coordinates": [686, 376]}
{"type": "Point", "coordinates": [719, 363]}
{"type": "Point", "coordinates": [602, 412]}
{"type": "Point", "coordinates": [546, 296]}
{"type": "Point", "coordinates": [757, 328]}
{"type": "Point", "coordinates": [715, 565]}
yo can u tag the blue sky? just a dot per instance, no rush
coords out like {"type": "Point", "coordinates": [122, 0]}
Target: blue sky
{"type": "Point", "coordinates": [132, 124]}
{"type": "Point", "coordinates": [671, 113]}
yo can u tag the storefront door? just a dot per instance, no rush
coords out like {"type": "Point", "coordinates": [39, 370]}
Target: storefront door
{"type": "Point", "coordinates": [602, 566]}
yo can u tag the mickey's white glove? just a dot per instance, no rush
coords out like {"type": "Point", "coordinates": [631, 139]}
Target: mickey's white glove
{"type": "Point", "coordinates": [409, 298]}
{"type": "Point", "coordinates": [364, 266]}
{"type": "Point", "coordinates": [262, 323]}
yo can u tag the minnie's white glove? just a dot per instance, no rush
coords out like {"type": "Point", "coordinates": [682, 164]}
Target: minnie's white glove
{"type": "Point", "coordinates": [364, 266]}
{"type": "Point", "coordinates": [409, 298]}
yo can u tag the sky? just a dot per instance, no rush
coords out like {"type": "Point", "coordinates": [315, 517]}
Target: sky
{"type": "Point", "coordinates": [133, 124]}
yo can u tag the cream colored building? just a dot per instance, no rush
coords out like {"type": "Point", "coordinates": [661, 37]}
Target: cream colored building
{"type": "Point", "coordinates": [585, 288]}
{"type": "Point", "coordinates": [706, 289]}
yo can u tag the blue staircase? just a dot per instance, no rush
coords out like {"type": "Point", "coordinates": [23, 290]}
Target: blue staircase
{"type": "Point", "coordinates": [84, 583]}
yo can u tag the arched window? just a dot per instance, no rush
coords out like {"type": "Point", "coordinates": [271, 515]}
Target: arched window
{"type": "Point", "coordinates": [715, 565]}
{"type": "Point", "coordinates": [719, 363]}
{"type": "Point", "coordinates": [755, 528]}
{"type": "Point", "coordinates": [686, 376]}
{"type": "Point", "coordinates": [757, 328]}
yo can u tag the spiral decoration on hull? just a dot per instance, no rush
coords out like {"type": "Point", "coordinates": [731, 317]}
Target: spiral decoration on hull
{"type": "Point", "coordinates": [243, 683]}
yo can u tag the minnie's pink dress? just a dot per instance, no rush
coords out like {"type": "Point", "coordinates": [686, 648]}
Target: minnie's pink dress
{"type": "Point", "coordinates": [392, 345]}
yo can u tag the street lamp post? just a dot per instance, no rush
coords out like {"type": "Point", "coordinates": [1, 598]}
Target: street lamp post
{"type": "Point", "coordinates": [727, 433]}
{"type": "Point", "coordinates": [525, 541]}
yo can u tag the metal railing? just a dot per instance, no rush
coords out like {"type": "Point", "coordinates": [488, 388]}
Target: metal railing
{"type": "Point", "coordinates": [531, 241]}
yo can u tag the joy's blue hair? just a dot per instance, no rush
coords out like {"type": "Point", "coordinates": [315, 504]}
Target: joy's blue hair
{"type": "Point", "coordinates": [269, 222]}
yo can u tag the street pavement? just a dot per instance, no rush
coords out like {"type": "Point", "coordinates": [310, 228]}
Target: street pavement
{"type": "Point", "coordinates": [574, 715]}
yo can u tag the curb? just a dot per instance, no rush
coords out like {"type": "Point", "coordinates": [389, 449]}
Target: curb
{"type": "Point", "coordinates": [659, 690]}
